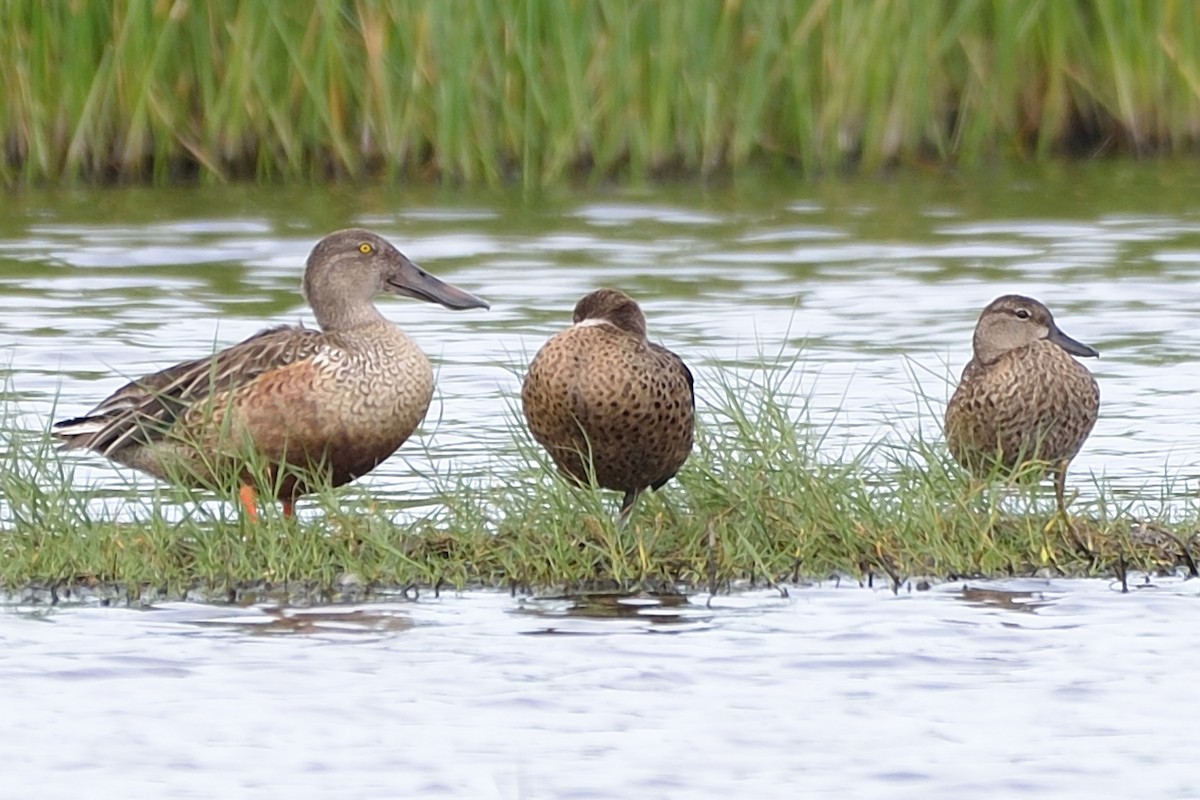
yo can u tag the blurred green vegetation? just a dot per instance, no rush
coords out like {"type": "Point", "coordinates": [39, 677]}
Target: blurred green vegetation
{"type": "Point", "coordinates": [540, 91]}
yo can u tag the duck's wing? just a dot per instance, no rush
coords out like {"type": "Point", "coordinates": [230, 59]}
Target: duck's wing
{"type": "Point", "coordinates": [145, 409]}
{"type": "Point", "coordinates": [671, 359]}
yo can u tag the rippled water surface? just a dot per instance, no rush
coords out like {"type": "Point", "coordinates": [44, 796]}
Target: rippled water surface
{"type": "Point", "coordinates": [873, 285]}
{"type": "Point", "coordinates": [1067, 689]}
{"type": "Point", "coordinates": [1026, 689]}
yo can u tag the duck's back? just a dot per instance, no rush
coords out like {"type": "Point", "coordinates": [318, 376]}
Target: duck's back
{"type": "Point", "coordinates": [1033, 402]}
{"type": "Point", "coordinates": [597, 389]}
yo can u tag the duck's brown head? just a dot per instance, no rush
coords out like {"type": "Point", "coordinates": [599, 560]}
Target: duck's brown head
{"type": "Point", "coordinates": [612, 307]}
{"type": "Point", "coordinates": [348, 268]}
{"type": "Point", "coordinates": [1013, 321]}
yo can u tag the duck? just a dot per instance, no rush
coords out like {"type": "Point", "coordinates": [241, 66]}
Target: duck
{"type": "Point", "coordinates": [608, 404]}
{"type": "Point", "coordinates": [310, 407]}
{"type": "Point", "coordinates": [1023, 398]}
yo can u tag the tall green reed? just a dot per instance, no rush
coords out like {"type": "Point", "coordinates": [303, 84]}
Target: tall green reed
{"type": "Point", "coordinates": [537, 92]}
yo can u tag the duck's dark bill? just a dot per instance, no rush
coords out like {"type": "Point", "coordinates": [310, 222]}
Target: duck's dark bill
{"type": "Point", "coordinates": [1071, 346]}
{"type": "Point", "coordinates": [423, 286]}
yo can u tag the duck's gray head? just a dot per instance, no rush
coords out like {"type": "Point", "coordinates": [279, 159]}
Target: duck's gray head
{"type": "Point", "coordinates": [1013, 321]}
{"type": "Point", "coordinates": [348, 268]}
{"type": "Point", "coordinates": [612, 307]}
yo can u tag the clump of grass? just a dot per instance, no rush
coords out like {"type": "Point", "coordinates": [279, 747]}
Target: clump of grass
{"type": "Point", "coordinates": [524, 90]}
{"type": "Point", "coordinates": [760, 501]}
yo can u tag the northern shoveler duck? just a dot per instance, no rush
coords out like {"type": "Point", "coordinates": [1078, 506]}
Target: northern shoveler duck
{"type": "Point", "coordinates": [607, 403]}
{"type": "Point", "coordinates": [1022, 397]}
{"type": "Point", "coordinates": [333, 402]}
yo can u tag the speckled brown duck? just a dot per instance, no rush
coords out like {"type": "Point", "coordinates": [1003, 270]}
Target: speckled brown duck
{"type": "Point", "coordinates": [1022, 397]}
{"type": "Point", "coordinates": [334, 402]}
{"type": "Point", "coordinates": [601, 388]}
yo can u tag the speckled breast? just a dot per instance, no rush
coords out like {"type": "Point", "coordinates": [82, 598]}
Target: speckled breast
{"type": "Point", "coordinates": [1035, 402]}
{"type": "Point", "coordinates": [365, 397]}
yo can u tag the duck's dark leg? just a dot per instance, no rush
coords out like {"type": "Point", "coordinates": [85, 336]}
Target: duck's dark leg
{"type": "Point", "coordinates": [1060, 494]}
{"type": "Point", "coordinates": [627, 507]}
{"type": "Point", "coordinates": [249, 500]}
{"type": "Point", "coordinates": [1060, 489]}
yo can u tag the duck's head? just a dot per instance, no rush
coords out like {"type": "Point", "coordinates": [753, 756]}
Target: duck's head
{"type": "Point", "coordinates": [611, 307]}
{"type": "Point", "coordinates": [348, 268]}
{"type": "Point", "coordinates": [1013, 321]}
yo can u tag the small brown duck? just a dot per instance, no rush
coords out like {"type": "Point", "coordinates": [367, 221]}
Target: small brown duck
{"type": "Point", "coordinates": [1022, 397]}
{"type": "Point", "coordinates": [335, 401]}
{"type": "Point", "coordinates": [600, 388]}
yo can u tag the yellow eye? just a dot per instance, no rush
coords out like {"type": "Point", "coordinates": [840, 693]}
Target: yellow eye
{"type": "Point", "coordinates": [365, 248]}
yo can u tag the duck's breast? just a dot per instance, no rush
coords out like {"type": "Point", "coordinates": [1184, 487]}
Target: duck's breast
{"type": "Point", "coordinates": [351, 405]}
{"type": "Point", "coordinates": [1035, 400]}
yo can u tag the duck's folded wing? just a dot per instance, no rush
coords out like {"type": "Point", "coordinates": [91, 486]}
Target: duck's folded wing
{"type": "Point", "coordinates": [673, 360]}
{"type": "Point", "coordinates": [144, 409]}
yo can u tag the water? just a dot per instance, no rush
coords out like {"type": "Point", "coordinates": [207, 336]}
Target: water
{"type": "Point", "coordinates": [874, 285]}
{"type": "Point", "coordinates": [1034, 689]}
{"type": "Point", "coordinates": [1060, 689]}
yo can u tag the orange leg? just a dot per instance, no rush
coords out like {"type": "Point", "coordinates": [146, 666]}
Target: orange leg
{"type": "Point", "coordinates": [249, 498]}
{"type": "Point", "coordinates": [289, 508]}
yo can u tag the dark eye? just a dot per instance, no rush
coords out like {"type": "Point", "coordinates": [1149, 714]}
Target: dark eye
{"type": "Point", "coordinates": [1022, 313]}
{"type": "Point", "coordinates": [365, 249]}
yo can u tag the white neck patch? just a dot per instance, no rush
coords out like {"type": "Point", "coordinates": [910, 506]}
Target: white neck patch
{"type": "Point", "coordinates": [592, 322]}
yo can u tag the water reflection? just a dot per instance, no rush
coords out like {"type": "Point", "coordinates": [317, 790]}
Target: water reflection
{"type": "Point", "coordinates": [1009, 600]}
{"type": "Point", "coordinates": [575, 614]}
{"type": "Point", "coordinates": [326, 621]}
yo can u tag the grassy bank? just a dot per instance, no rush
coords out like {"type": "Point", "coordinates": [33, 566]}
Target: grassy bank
{"type": "Point", "coordinates": [760, 501]}
{"type": "Point", "coordinates": [533, 91]}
